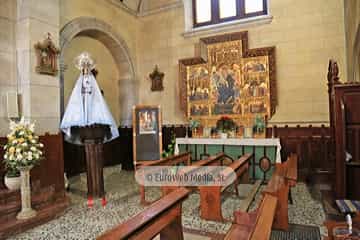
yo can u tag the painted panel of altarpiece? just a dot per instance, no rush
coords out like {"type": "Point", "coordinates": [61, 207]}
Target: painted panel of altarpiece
{"type": "Point", "coordinates": [234, 81]}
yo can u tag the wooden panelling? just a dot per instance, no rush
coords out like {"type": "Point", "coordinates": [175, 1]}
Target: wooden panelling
{"type": "Point", "coordinates": [50, 172]}
{"type": "Point", "coordinates": [312, 145]}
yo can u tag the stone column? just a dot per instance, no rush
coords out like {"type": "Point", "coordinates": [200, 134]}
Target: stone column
{"type": "Point", "coordinates": [40, 93]}
{"type": "Point", "coordinates": [26, 210]}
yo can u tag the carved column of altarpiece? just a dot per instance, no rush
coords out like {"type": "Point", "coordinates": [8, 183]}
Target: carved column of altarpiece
{"type": "Point", "coordinates": [228, 79]}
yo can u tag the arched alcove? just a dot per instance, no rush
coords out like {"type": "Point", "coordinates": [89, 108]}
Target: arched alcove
{"type": "Point", "coordinates": [103, 32]}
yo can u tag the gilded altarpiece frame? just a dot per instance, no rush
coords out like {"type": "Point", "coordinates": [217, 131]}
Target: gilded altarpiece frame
{"type": "Point", "coordinates": [229, 80]}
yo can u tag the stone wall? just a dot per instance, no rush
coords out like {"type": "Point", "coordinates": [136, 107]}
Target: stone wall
{"type": "Point", "coordinates": [352, 33]}
{"type": "Point", "coordinates": [306, 34]}
{"type": "Point", "coordinates": [7, 57]}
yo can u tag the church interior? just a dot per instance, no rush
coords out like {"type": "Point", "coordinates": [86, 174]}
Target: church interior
{"type": "Point", "coordinates": [179, 119]}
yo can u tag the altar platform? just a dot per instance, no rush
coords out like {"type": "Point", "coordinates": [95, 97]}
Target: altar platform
{"type": "Point", "coordinates": [265, 150]}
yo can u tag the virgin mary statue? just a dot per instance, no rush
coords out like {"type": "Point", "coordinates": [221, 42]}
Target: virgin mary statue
{"type": "Point", "coordinates": [86, 106]}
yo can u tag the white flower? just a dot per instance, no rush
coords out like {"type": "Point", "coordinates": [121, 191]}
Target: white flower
{"type": "Point", "coordinates": [33, 148]}
{"type": "Point", "coordinates": [21, 133]}
{"type": "Point", "coordinates": [18, 150]}
{"type": "Point", "coordinates": [41, 145]}
{"type": "Point", "coordinates": [30, 157]}
{"type": "Point", "coordinates": [32, 127]}
{"type": "Point", "coordinates": [19, 156]}
{"type": "Point", "coordinates": [11, 157]}
{"type": "Point", "coordinates": [33, 141]}
{"type": "Point", "coordinates": [40, 152]}
{"type": "Point", "coordinates": [36, 156]}
{"type": "Point", "coordinates": [29, 153]}
{"type": "Point", "coordinates": [14, 141]}
{"type": "Point", "coordinates": [25, 144]}
{"type": "Point", "coordinates": [5, 156]}
{"type": "Point", "coordinates": [12, 125]}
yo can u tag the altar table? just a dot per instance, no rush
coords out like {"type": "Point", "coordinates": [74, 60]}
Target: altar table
{"type": "Point", "coordinates": [265, 150]}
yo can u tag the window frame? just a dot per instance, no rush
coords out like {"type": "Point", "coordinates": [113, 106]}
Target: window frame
{"type": "Point", "coordinates": [215, 13]}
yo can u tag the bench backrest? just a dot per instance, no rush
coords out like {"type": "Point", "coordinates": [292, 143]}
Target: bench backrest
{"type": "Point", "coordinates": [212, 160]}
{"type": "Point", "coordinates": [169, 161]}
{"type": "Point", "coordinates": [255, 225]}
{"type": "Point", "coordinates": [265, 218]}
{"type": "Point", "coordinates": [238, 166]}
{"type": "Point", "coordinates": [292, 173]}
{"type": "Point", "coordinates": [152, 220]}
{"type": "Point", "coordinates": [288, 169]}
{"type": "Point", "coordinates": [275, 183]}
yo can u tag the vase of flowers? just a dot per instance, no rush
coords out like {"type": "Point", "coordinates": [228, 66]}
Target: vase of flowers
{"type": "Point", "coordinates": [12, 179]}
{"type": "Point", "coordinates": [224, 125]}
{"type": "Point", "coordinates": [22, 152]}
{"type": "Point", "coordinates": [194, 126]}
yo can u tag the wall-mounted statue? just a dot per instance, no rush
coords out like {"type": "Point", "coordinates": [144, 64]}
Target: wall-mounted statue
{"type": "Point", "coordinates": [156, 78]}
{"type": "Point", "coordinates": [46, 54]}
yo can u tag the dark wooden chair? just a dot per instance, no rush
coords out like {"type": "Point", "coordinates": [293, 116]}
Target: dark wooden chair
{"type": "Point", "coordinates": [162, 217]}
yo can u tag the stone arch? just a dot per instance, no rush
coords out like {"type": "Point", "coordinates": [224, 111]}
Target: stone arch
{"type": "Point", "coordinates": [103, 32]}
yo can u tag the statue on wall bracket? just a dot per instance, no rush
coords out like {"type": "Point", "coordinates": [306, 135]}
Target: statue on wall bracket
{"type": "Point", "coordinates": [156, 78]}
{"type": "Point", "coordinates": [46, 54]}
{"type": "Point", "coordinates": [228, 79]}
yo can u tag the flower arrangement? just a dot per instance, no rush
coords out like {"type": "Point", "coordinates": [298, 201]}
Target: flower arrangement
{"type": "Point", "coordinates": [194, 124]}
{"type": "Point", "coordinates": [225, 124]}
{"type": "Point", "coordinates": [22, 148]}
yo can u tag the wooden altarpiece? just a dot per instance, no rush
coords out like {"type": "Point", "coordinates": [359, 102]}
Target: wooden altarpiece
{"type": "Point", "coordinates": [229, 79]}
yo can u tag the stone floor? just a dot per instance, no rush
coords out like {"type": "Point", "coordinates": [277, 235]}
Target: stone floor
{"type": "Point", "coordinates": [79, 222]}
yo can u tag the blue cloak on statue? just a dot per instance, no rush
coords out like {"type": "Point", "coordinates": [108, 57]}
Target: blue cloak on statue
{"type": "Point", "coordinates": [87, 107]}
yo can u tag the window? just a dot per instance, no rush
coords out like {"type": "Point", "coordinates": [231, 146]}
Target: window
{"type": "Point", "coordinates": [209, 12]}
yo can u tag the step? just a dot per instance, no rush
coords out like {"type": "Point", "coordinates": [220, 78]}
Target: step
{"type": "Point", "coordinates": [44, 214]}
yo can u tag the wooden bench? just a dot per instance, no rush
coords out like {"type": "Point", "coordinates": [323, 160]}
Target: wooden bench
{"type": "Point", "coordinates": [216, 160]}
{"type": "Point", "coordinates": [162, 217]}
{"type": "Point", "coordinates": [184, 158]}
{"type": "Point", "coordinates": [254, 225]}
{"type": "Point", "coordinates": [288, 169]}
{"type": "Point", "coordinates": [284, 177]}
{"type": "Point", "coordinates": [210, 196]}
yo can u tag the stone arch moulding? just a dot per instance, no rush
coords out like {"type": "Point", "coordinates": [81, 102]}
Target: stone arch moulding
{"type": "Point", "coordinates": [103, 32]}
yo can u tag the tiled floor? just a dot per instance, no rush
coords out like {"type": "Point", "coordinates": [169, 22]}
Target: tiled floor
{"type": "Point", "coordinates": [79, 222]}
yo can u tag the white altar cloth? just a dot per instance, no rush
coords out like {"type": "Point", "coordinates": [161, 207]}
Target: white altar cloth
{"type": "Point", "coordinates": [275, 142]}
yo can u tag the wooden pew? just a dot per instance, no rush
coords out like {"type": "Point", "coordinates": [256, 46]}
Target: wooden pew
{"type": "Point", "coordinates": [210, 196]}
{"type": "Point", "coordinates": [288, 169]}
{"type": "Point", "coordinates": [278, 187]}
{"type": "Point", "coordinates": [255, 225]}
{"type": "Point", "coordinates": [184, 158]}
{"type": "Point", "coordinates": [162, 217]}
{"type": "Point", "coordinates": [284, 177]}
{"type": "Point", "coordinates": [216, 160]}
